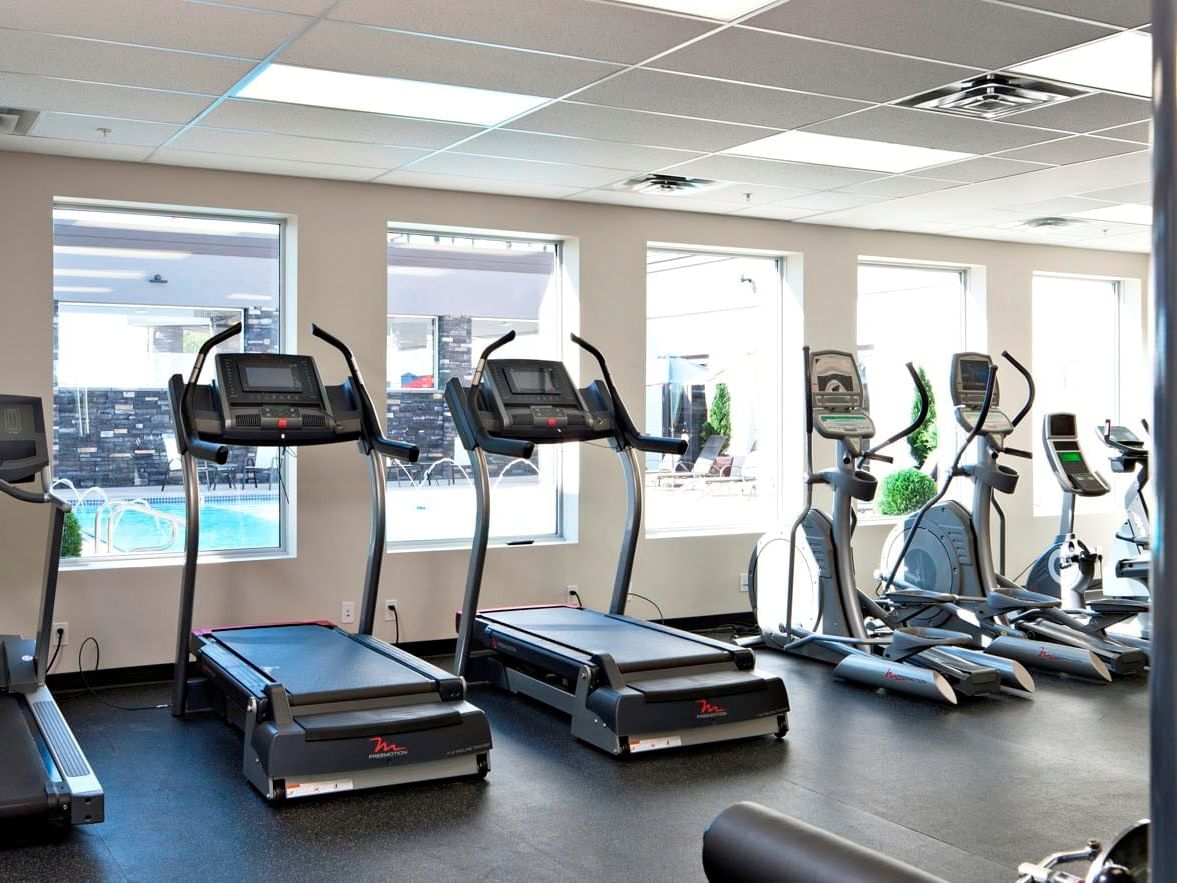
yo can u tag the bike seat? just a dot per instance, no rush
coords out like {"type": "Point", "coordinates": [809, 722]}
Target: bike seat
{"type": "Point", "coordinates": [919, 596]}
{"type": "Point", "coordinates": [1133, 568]}
{"type": "Point", "coordinates": [1119, 605]}
{"type": "Point", "coordinates": [908, 641]}
{"type": "Point", "coordinates": [1003, 600]}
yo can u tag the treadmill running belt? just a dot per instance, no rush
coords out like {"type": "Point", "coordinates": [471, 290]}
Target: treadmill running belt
{"type": "Point", "coordinates": [316, 663]}
{"type": "Point", "coordinates": [633, 646]}
{"type": "Point", "coordinates": [22, 785]}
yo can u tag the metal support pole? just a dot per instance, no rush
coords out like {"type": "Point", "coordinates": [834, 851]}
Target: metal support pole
{"type": "Point", "coordinates": [187, 584]}
{"type": "Point", "coordinates": [631, 469]}
{"type": "Point", "coordinates": [1163, 677]}
{"type": "Point", "coordinates": [478, 471]}
{"type": "Point", "coordinates": [375, 543]}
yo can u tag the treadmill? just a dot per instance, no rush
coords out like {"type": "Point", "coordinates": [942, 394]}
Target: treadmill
{"type": "Point", "coordinates": [44, 774]}
{"type": "Point", "coordinates": [629, 685]}
{"type": "Point", "coordinates": [322, 710]}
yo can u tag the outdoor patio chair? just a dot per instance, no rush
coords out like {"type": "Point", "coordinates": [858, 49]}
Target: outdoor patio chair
{"type": "Point", "coordinates": [703, 466]}
{"type": "Point", "coordinates": [264, 461]}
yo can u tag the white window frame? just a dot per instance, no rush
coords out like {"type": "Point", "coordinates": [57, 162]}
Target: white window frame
{"type": "Point", "coordinates": [287, 506]}
{"type": "Point", "coordinates": [567, 456]}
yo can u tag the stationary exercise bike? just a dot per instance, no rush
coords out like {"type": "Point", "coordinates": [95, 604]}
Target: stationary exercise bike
{"type": "Point", "coordinates": [1067, 568]}
{"type": "Point", "coordinates": [820, 613]}
{"type": "Point", "coordinates": [944, 548]}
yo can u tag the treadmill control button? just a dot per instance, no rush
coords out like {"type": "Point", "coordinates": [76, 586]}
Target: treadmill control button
{"type": "Point", "coordinates": [282, 421]}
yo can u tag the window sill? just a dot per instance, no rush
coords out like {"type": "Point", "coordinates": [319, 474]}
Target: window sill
{"type": "Point", "coordinates": [873, 518]}
{"type": "Point", "coordinates": [120, 562]}
{"type": "Point", "coordinates": [411, 546]}
{"type": "Point", "coordinates": [674, 533]}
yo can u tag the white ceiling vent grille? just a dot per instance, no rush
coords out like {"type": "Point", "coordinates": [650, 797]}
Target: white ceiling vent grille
{"type": "Point", "coordinates": [14, 121]}
{"type": "Point", "coordinates": [990, 96]}
{"type": "Point", "coordinates": [666, 185]}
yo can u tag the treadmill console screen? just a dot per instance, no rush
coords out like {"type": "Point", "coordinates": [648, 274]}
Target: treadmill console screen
{"type": "Point", "coordinates": [271, 395]}
{"type": "Point", "coordinates": [837, 397]}
{"type": "Point", "coordinates": [23, 449]}
{"type": "Point", "coordinates": [535, 399]}
{"type": "Point", "coordinates": [269, 378]}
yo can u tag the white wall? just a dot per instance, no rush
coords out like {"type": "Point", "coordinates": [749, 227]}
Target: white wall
{"type": "Point", "coordinates": [339, 241]}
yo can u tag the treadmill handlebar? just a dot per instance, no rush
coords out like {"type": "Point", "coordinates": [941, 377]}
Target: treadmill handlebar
{"type": "Point", "coordinates": [190, 441]}
{"type": "Point", "coordinates": [373, 432]}
{"type": "Point", "coordinates": [627, 431]}
{"type": "Point", "coordinates": [203, 450]}
{"type": "Point", "coordinates": [18, 493]}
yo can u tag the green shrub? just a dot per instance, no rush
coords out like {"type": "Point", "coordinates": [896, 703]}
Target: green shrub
{"type": "Point", "coordinates": [905, 491]}
{"type": "Point", "coordinates": [71, 537]}
{"type": "Point", "coordinates": [719, 421]}
{"type": "Point", "coordinates": [924, 441]}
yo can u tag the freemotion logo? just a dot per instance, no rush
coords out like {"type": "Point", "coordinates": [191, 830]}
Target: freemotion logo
{"type": "Point", "coordinates": [382, 750]}
{"type": "Point", "coordinates": [891, 675]}
{"type": "Point", "coordinates": [707, 710]}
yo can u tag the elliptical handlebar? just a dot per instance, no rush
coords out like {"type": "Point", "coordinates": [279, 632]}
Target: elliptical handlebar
{"type": "Point", "coordinates": [1031, 389]}
{"type": "Point", "coordinates": [373, 433]}
{"type": "Point", "coordinates": [872, 453]}
{"type": "Point", "coordinates": [629, 433]}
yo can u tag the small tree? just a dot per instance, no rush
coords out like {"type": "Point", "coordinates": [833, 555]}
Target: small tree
{"type": "Point", "coordinates": [924, 441]}
{"type": "Point", "coordinates": [71, 537]}
{"type": "Point", "coordinates": [905, 491]}
{"type": "Point", "coordinates": [719, 420]}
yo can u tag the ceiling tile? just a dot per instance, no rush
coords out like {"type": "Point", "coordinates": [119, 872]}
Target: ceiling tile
{"type": "Point", "coordinates": [344, 125]}
{"type": "Point", "coordinates": [986, 168]}
{"type": "Point", "coordinates": [409, 178]}
{"type": "Point", "coordinates": [298, 7]}
{"type": "Point", "coordinates": [641, 200]}
{"type": "Point", "coordinates": [1063, 205]}
{"type": "Point", "coordinates": [830, 201]}
{"type": "Point", "coordinates": [570, 27]}
{"type": "Point", "coordinates": [1079, 148]}
{"type": "Point", "coordinates": [1140, 194]}
{"type": "Point", "coordinates": [362, 50]}
{"type": "Point", "coordinates": [777, 60]}
{"type": "Point", "coordinates": [775, 212]}
{"type": "Point", "coordinates": [899, 125]}
{"type": "Point", "coordinates": [753, 194]}
{"type": "Point", "coordinates": [171, 24]}
{"type": "Point", "coordinates": [494, 167]}
{"type": "Point", "coordinates": [29, 53]}
{"type": "Point", "coordinates": [777, 174]}
{"type": "Point", "coordinates": [263, 166]}
{"type": "Point", "coordinates": [635, 127]}
{"type": "Point", "coordinates": [70, 96]}
{"type": "Point", "coordinates": [58, 147]}
{"type": "Point", "coordinates": [899, 186]}
{"type": "Point", "coordinates": [574, 151]}
{"type": "Point", "coordinates": [290, 147]}
{"type": "Point", "coordinates": [1141, 133]}
{"type": "Point", "coordinates": [715, 100]}
{"type": "Point", "coordinates": [85, 128]}
{"type": "Point", "coordinates": [957, 31]}
{"type": "Point", "coordinates": [1086, 114]}
{"type": "Point", "coordinates": [1126, 13]}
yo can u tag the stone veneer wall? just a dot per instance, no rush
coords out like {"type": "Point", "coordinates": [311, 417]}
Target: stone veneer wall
{"type": "Point", "coordinates": [122, 445]}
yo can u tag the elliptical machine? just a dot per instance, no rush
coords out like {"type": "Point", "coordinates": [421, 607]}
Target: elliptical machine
{"type": "Point", "coordinates": [943, 548]}
{"type": "Point", "coordinates": [1067, 568]}
{"type": "Point", "coordinates": [1133, 542]}
{"type": "Point", "coordinates": [820, 615]}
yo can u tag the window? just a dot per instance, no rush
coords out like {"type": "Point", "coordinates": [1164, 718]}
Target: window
{"type": "Point", "coordinates": [135, 295]}
{"type": "Point", "coordinates": [1087, 343]}
{"type": "Point", "coordinates": [909, 313]}
{"type": "Point", "coordinates": [713, 378]}
{"type": "Point", "coordinates": [449, 297]}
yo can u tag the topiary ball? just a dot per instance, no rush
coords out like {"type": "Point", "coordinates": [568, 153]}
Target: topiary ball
{"type": "Point", "coordinates": [905, 491]}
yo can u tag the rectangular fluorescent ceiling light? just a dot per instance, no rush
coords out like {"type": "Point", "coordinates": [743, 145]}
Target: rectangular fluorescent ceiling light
{"type": "Point", "coordinates": [70, 273]}
{"type": "Point", "coordinates": [854, 153]}
{"type": "Point", "coordinates": [387, 95]}
{"type": "Point", "coordinates": [1120, 63]}
{"type": "Point", "coordinates": [722, 10]}
{"type": "Point", "coordinates": [1129, 213]}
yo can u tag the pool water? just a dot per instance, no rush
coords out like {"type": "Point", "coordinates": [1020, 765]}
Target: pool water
{"type": "Point", "coordinates": [224, 525]}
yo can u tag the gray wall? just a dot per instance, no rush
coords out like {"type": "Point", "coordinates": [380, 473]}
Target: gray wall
{"type": "Point", "coordinates": [339, 244]}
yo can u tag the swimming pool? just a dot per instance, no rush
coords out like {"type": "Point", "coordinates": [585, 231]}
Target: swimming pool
{"type": "Point", "coordinates": [226, 523]}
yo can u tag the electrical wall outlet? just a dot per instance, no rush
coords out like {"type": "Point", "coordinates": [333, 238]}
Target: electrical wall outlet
{"type": "Point", "coordinates": [389, 609]}
{"type": "Point", "coordinates": [571, 596]}
{"type": "Point", "coordinates": [63, 628]}
{"type": "Point", "coordinates": [743, 582]}
{"type": "Point", "coordinates": [348, 612]}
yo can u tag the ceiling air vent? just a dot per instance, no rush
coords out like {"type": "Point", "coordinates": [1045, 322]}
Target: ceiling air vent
{"type": "Point", "coordinates": [666, 185]}
{"type": "Point", "coordinates": [1051, 223]}
{"type": "Point", "coordinates": [990, 96]}
{"type": "Point", "coordinates": [14, 121]}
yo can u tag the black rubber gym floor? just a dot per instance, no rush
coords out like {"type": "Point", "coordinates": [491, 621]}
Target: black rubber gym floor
{"type": "Point", "coordinates": [966, 793]}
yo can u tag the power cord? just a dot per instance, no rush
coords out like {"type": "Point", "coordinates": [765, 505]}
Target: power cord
{"type": "Point", "coordinates": [661, 618]}
{"type": "Point", "coordinates": [56, 650]}
{"type": "Point", "coordinates": [91, 690]}
{"type": "Point", "coordinates": [396, 618]}
{"type": "Point", "coordinates": [576, 595]}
